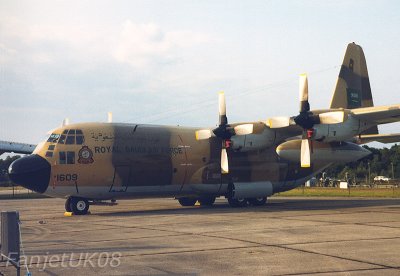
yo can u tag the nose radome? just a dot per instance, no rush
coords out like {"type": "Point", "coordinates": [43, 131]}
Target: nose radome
{"type": "Point", "coordinates": [31, 172]}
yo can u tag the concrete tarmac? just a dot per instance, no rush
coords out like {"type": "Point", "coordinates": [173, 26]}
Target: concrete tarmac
{"type": "Point", "coordinates": [288, 236]}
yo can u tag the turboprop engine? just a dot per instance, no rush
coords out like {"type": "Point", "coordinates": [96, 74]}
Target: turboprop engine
{"type": "Point", "coordinates": [261, 138]}
{"type": "Point", "coordinates": [342, 152]}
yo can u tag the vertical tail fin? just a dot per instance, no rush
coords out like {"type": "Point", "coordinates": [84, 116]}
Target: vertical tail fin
{"type": "Point", "coordinates": [353, 89]}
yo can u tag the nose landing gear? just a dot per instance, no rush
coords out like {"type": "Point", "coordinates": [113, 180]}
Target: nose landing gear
{"type": "Point", "coordinates": [77, 205]}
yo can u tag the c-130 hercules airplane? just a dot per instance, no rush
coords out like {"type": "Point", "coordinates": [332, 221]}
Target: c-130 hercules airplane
{"type": "Point", "coordinates": [89, 163]}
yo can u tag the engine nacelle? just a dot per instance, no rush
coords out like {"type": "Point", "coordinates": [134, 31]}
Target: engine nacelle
{"type": "Point", "coordinates": [251, 189]}
{"type": "Point", "coordinates": [341, 131]}
{"type": "Point", "coordinates": [337, 132]}
{"type": "Point", "coordinates": [251, 142]}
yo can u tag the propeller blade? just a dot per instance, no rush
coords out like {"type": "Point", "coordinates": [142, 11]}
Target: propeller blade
{"type": "Point", "coordinates": [223, 120]}
{"type": "Point", "coordinates": [303, 90]}
{"type": "Point", "coordinates": [333, 117]}
{"type": "Point", "coordinates": [203, 134]}
{"type": "Point", "coordinates": [305, 153]}
{"type": "Point", "coordinates": [303, 93]}
{"type": "Point", "coordinates": [278, 122]}
{"type": "Point", "coordinates": [221, 103]}
{"type": "Point", "coordinates": [243, 129]}
{"type": "Point", "coordinates": [224, 162]}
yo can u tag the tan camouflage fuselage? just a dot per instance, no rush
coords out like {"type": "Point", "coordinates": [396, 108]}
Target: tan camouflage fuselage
{"type": "Point", "coordinates": [124, 160]}
{"type": "Point", "coordinates": [109, 161]}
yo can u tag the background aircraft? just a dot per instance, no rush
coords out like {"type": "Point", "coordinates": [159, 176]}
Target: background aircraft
{"type": "Point", "coordinates": [13, 147]}
{"type": "Point", "coordinates": [88, 163]}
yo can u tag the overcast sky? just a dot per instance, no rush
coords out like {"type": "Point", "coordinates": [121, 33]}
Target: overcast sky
{"type": "Point", "coordinates": [163, 62]}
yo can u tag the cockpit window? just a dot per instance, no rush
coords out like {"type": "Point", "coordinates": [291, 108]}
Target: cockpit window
{"type": "Point", "coordinates": [53, 138]}
{"type": "Point", "coordinates": [62, 139]}
{"type": "Point", "coordinates": [72, 137]}
{"type": "Point", "coordinates": [70, 140]}
{"type": "Point", "coordinates": [79, 139]}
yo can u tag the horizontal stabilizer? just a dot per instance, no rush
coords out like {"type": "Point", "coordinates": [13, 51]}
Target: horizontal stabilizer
{"type": "Point", "coordinates": [378, 114]}
{"type": "Point", "coordinates": [383, 138]}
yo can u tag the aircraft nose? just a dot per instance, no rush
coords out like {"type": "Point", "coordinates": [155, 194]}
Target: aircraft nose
{"type": "Point", "coordinates": [31, 172]}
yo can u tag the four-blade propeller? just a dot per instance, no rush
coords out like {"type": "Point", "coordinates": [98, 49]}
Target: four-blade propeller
{"type": "Point", "coordinates": [307, 120]}
{"type": "Point", "coordinates": [225, 132]}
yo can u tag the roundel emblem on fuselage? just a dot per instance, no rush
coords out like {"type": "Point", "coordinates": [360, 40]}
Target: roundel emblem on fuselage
{"type": "Point", "coordinates": [85, 155]}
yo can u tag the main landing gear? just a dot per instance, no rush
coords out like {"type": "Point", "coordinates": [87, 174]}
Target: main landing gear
{"type": "Point", "coordinates": [77, 205]}
{"type": "Point", "coordinates": [233, 202]}
{"type": "Point", "coordinates": [243, 202]}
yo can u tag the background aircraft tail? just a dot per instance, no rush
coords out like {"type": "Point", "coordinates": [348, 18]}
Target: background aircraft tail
{"type": "Point", "coordinates": [353, 89]}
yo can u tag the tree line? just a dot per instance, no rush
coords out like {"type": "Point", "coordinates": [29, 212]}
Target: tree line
{"type": "Point", "coordinates": [384, 161]}
{"type": "Point", "coordinates": [4, 164]}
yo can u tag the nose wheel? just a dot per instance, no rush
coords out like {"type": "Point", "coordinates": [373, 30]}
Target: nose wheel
{"type": "Point", "coordinates": [77, 205]}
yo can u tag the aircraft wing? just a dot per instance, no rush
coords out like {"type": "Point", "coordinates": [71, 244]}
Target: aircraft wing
{"type": "Point", "coordinates": [6, 146]}
{"type": "Point", "coordinates": [383, 138]}
{"type": "Point", "coordinates": [379, 114]}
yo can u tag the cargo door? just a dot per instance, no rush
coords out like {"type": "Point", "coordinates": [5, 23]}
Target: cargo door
{"type": "Point", "coordinates": [179, 161]}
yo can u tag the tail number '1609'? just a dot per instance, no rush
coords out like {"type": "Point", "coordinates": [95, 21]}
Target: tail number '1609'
{"type": "Point", "coordinates": [67, 177]}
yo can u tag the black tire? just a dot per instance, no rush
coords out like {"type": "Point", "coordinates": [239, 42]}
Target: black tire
{"type": "Point", "coordinates": [68, 205]}
{"type": "Point", "coordinates": [237, 202]}
{"type": "Point", "coordinates": [259, 201]}
{"type": "Point", "coordinates": [79, 206]}
{"type": "Point", "coordinates": [187, 201]}
{"type": "Point", "coordinates": [207, 201]}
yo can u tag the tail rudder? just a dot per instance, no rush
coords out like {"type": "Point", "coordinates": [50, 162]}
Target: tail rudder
{"type": "Point", "coordinates": [353, 89]}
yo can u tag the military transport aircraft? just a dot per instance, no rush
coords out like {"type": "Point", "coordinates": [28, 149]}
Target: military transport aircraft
{"type": "Point", "coordinates": [90, 163]}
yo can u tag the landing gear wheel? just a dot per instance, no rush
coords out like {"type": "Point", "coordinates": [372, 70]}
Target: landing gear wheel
{"type": "Point", "coordinates": [237, 202]}
{"type": "Point", "coordinates": [207, 201]}
{"type": "Point", "coordinates": [187, 201]}
{"type": "Point", "coordinates": [68, 205]}
{"type": "Point", "coordinates": [259, 201]}
{"type": "Point", "coordinates": [79, 206]}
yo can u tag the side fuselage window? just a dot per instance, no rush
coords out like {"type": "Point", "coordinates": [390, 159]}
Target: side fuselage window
{"type": "Point", "coordinates": [67, 157]}
{"type": "Point", "coordinates": [63, 158]}
{"type": "Point", "coordinates": [70, 157]}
